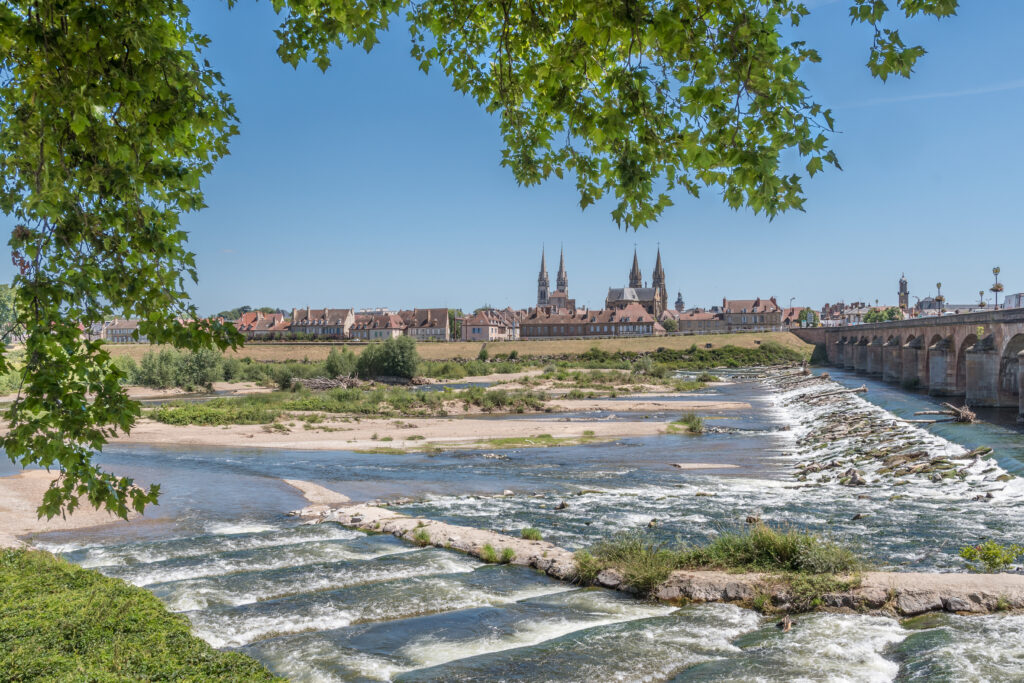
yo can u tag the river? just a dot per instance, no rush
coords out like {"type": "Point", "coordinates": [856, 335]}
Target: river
{"type": "Point", "coordinates": [326, 603]}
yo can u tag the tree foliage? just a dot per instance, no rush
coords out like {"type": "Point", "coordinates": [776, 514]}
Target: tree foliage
{"type": "Point", "coordinates": [395, 357]}
{"type": "Point", "coordinates": [110, 118]}
{"type": "Point", "coordinates": [881, 316]}
{"type": "Point", "coordinates": [635, 99]}
{"type": "Point", "coordinates": [108, 121]}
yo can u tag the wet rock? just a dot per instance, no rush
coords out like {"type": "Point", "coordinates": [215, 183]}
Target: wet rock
{"type": "Point", "coordinates": [651, 524]}
{"type": "Point", "coordinates": [609, 578]}
{"type": "Point", "coordinates": [562, 506]}
{"type": "Point", "coordinates": [958, 604]}
{"type": "Point", "coordinates": [508, 492]}
{"type": "Point", "coordinates": [859, 515]}
{"type": "Point", "coordinates": [753, 519]}
{"type": "Point", "coordinates": [910, 603]}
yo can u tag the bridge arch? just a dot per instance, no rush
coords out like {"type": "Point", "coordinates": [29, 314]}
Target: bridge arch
{"type": "Point", "coordinates": [961, 362]}
{"type": "Point", "coordinates": [925, 367]}
{"type": "Point", "coordinates": [1009, 364]}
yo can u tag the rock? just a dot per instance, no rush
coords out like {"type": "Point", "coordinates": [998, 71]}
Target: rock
{"type": "Point", "coordinates": [910, 603]}
{"type": "Point", "coordinates": [562, 506]}
{"type": "Point", "coordinates": [785, 624]}
{"type": "Point", "coordinates": [651, 524]}
{"type": "Point", "coordinates": [753, 519]}
{"type": "Point", "coordinates": [859, 515]}
{"type": "Point", "coordinates": [508, 492]}
{"type": "Point", "coordinates": [609, 578]}
{"type": "Point", "coordinates": [957, 604]}
{"type": "Point", "coordinates": [937, 477]}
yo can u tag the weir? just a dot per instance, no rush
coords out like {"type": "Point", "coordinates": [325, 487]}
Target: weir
{"type": "Point", "coordinates": [976, 355]}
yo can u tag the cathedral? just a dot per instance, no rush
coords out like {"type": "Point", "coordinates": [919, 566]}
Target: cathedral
{"type": "Point", "coordinates": [557, 300]}
{"type": "Point", "coordinates": [654, 298]}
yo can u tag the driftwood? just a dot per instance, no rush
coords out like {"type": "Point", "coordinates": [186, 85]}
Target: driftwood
{"type": "Point", "coordinates": [961, 414]}
{"type": "Point", "coordinates": [862, 389]}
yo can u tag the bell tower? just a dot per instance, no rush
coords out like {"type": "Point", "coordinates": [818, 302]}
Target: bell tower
{"type": "Point", "coordinates": [635, 279]}
{"type": "Point", "coordinates": [904, 293]}
{"type": "Point", "coordinates": [543, 284]}
{"type": "Point", "coordinates": [658, 282]}
{"type": "Point", "coordinates": [562, 281]}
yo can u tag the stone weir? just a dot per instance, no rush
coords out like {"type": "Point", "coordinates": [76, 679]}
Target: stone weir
{"type": "Point", "coordinates": [890, 593]}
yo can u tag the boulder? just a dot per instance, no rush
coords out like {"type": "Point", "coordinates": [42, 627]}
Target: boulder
{"type": "Point", "coordinates": [910, 603]}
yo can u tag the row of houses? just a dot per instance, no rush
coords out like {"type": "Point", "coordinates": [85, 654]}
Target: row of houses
{"type": "Point", "coordinates": [423, 324]}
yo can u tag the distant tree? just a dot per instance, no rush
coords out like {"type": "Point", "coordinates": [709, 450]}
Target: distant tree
{"type": "Point", "coordinates": [808, 318]}
{"type": "Point", "coordinates": [396, 357]}
{"type": "Point", "coordinates": [670, 325]}
{"type": "Point", "coordinates": [340, 363]}
{"type": "Point", "coordinates": [483, 355]}
{"type": "Point", "coordinates": [455, 316]}
{"type": "Point", "coordinates": [880, 316]}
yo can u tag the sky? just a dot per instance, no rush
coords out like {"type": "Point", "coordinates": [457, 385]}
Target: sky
{"type": "Point", "coordinates": [376, 185]}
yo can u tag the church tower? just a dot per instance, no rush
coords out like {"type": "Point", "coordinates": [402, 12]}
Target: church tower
{"type": "Point", "coordinates": [543, 284]}
{"type": "Point", "coordinates": [562, 282]}
{"type": "Point", "coordinates": [659, 281]}
{"type": "Point", "coordinates": [904, 294]}
{"type": "Point", "coordinates": [635, 279]}
{"type": "Point", "coordinates": [680, 306]}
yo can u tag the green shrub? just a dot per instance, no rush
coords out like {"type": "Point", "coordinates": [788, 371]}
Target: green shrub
{"type": "Point", "coordinates": [644, 564]}
{"type": "Point", "coordinates": [693, 423]}
{"type": "Point", "coordinates": [483, 355]}
{"type": "Point", "coordinates": [489, 554]}
{"type": "Point", "coordinates": [761, 547]}
{"type": "Point", "coordinates": [707, 377]}
{"type": "Point", "coordinates": [421, 537]}
{"type": "Point", "coordinates": [59, 622]}
{"type": "Point", "coordinates": [587, 567]}
{"type": "Point", "coordinates": [396, 357]}
{"type": "Point", "coordinates": [990, 556]}
{"type": "Point", "coordinates": [531, 534]}
{"type": "Point", "coordinates": [340, 363]}
{"type": "Point", "coordinates": [507, 555]}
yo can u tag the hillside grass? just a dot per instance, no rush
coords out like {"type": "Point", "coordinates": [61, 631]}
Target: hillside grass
{"type": "Point", "coordinates": [317, 351]}
{"type": "Point", "coordinates": [60, 622]}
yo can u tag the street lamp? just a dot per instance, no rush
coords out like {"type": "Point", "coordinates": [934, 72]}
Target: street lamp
{"type": "Point", "coordinates": [996, 288]}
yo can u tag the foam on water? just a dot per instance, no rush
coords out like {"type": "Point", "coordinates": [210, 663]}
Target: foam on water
{"type": "Point", "coordinates": [963, 648]}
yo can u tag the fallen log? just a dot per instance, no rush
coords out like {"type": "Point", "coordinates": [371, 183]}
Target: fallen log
{"type": "Point", "coordinates": [862, 389]}
{"type": "Point", "coordinates": [959, 414]}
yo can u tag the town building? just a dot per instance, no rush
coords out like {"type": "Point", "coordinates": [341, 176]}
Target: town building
{"type": "Point", "coordinates": [903, 294]}
{"type": "Point", "coordinates": [632, 320]}
{"type": "Point", "coordinates": [752, 314]}
{"type": "Point", "coordinates": [377, 327]}
{"type": "Point", "coordinates": [557, 300]}
{"type": "Point", "coordinates": [322, 323]}
{"type": "Point", "coordinates": [260, 325]}
{"type": "Point", "coordinates": [491, 325]}
{"type": "Point", "coordinates": [426, 324]}
{"type": "Point", "coordinates": [122, 331]}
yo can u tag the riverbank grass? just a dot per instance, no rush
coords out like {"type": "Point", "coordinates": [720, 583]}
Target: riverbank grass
{"type": "Point", "coordinates": [689, 423]}
{"type": "Point", "coordinates": [807, 564]}
{"type": "Point", "coordinates": [59, 622]}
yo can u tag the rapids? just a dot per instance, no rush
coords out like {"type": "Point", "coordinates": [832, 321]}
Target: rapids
{"type": "Point", "coordinates": [323, 603]}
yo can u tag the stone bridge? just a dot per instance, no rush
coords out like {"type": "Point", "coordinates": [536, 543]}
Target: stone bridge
{"type": "Point", "coordinates": [979, 356]}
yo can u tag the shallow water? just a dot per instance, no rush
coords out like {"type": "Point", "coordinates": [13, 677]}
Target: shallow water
{"type": "Point", "coordinates": [325, 603]}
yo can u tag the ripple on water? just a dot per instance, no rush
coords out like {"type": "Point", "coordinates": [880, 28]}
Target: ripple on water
{"type": "Point", "coordinates": [965, 648]}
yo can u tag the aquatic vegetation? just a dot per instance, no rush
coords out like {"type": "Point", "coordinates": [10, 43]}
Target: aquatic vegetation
{"type": "Point", "coordinates": [643, 563]}
{"type": "Point", "coordinates": [507, 555]}
{"type": "Point", "coordinates": [991, 557]}
{"type": "Point", "coordinates": [62, 622]}
{"type": "Point", "coordinates": [707, 377]}
{"type": "Point", "coordinates": [489, 554]}
{"type": "Point", "coordinates": [421, 537]}
{"type": "Point", "coordinates": [692, 422]}
{"type": "Point", "coordinates": [761, 547]}
{"type": "Point", "coordinates": [531, 534]}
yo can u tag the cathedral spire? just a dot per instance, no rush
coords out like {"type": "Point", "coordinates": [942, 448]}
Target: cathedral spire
{"type": "Point", "coordinates": [658, 282]}
{"type": "Point", "coordinates": [543, 284]}
{"type": "Point", "coordinates": [562, 281]}
{"type": "Point", "coordinates": [635, 278]}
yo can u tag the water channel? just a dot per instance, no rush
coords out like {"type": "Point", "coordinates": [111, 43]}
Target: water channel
{"type": "Point", "coordinates": [323, 603]}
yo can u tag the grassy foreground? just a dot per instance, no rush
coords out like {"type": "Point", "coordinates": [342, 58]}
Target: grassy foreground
{"type": "Point", "coordinates": [317, 351]}
{"type": "Point", "coordinates": [59, 622]}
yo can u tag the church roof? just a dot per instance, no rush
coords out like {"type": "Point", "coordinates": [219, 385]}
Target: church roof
{"type": "Point", "coordinates": [631, 293]}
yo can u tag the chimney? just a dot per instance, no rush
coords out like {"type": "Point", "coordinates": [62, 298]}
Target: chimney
{"type": "Point", "coordinates": [295, 314]}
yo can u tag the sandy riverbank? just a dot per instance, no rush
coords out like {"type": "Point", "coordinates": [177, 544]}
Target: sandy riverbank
{"type": "Point", "coordinates": [22, 493]}
{"type": "Point", "coordinates": [410, 433]}
{"type": "Point", "coordinates": [151, 394]}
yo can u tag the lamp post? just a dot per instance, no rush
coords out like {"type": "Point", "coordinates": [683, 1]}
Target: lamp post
{"type": "Point", "coordinates": [996, 288]}
{"type": "Point", "coordinates": [939, 298]}
{"type": "Point", "coordinates": [981, 299]}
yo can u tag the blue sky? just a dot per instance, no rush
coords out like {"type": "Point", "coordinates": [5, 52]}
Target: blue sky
{"type": "Point", "coordinates": [374, 185]}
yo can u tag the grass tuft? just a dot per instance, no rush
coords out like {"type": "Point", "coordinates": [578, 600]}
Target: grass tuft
{"type": "Point", "coordinates": [693, 423]}
{"type": "Point", "coordinates": [531, 534]}
{"type": "Point", "coordinates": [421, 537]}
{"type": "Point", "coordinates": [489, 554]}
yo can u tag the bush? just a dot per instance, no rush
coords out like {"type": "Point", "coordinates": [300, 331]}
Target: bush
{"type": "Point", "coordinates": [233, 369]}
{"type": "Point", "coordinates": [395, 357]}
{"type": "Point", "coordinates": [483, 355]}
{"type": "Point", "coordinates": [764, 548]}
{"type": "Point", "coordinates": [340, 363]}
{"type": "Point", "coordinates": [693, 422]}
{"type": "Point", "coordinates": [421, 537]}
{"type": "Point", "coordinates": [990, 556]}
{"type": "Point", "coordinates": [507, 555]}
{"type": "Point", "coordinates": [531, 534]}
{"type": "Point", "coordinates": [644, 564]}
{"type": "Point", "coordinates": [489, 554]}
{"type": "Point", "coordinates": [199, 369]}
